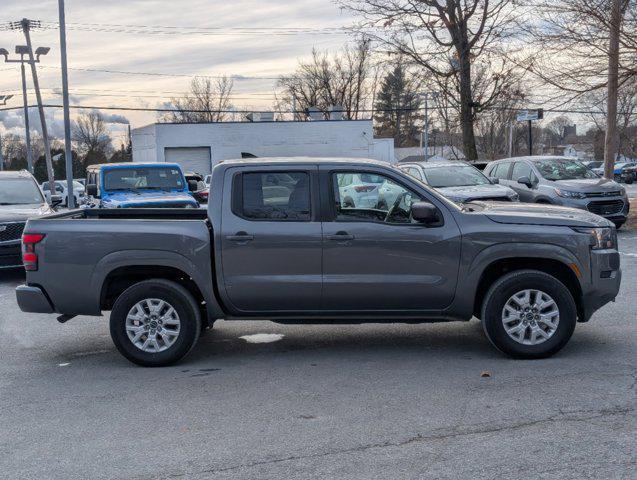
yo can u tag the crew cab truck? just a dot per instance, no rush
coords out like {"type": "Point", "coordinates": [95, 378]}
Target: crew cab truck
{"type": "Point", "coordinates": [139, 185]}
{"type": "Point", "coordinates": [293, 252]}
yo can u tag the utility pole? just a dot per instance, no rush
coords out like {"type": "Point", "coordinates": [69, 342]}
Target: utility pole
{"type": "Point", "coordinates": [26, 25]}
{"type": "Point", "coordinates": [68, 153]}
{"type": "Point", "coordinates": [530, 138]}
{"type": "Point", "coordinates": [610, 142]}
{"type": "Point", "coordinates": [511, 139]}
{"type": "Point", "coordinates": [1, 156]}
{"type": "Point", "coordinates": [27, 128]}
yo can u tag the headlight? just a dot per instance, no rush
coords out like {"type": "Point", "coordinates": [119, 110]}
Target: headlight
{"type": "Point", "coordinates": [600, 238]}
{"type": "Point", "coordinates": [622, 191]}
{"type": "Point", "coordinates": [569, 193]}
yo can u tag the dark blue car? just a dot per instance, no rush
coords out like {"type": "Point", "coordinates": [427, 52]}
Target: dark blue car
{"type": "Point", "coordinates": [138, 185]}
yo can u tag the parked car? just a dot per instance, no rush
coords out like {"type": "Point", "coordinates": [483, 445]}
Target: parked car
{"type": "Point", "coordinates": [20, 199]}
{"type": "Point", "coordinates": [529, 272]}
{"type": "Point", "coordinates": [562, 181]}
{"type": "Point", "coordinates": [360, 189]}
{"type": "Point", "coordinates": [207, 179]}
{"type": "Point", "coordinates": [139, 185]}
{"type": "Point", "coordinates": [201, 190]}
{"type": "Point", "coordinates": [624, 171]}
{"type": "Point", "coordinates": [459, 181]}
{"type": "Point", "coordinates": [61, 189]}
{"type": "Point", "coordinates": [593, 164]}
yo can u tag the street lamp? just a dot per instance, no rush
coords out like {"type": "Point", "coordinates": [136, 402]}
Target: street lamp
{"type": "Point", "coordinates": [23, 51]}
{"type": "Point", "coordinates": [426, 96]}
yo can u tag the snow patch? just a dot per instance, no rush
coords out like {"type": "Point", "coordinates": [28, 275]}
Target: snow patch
{"type": "Point", "coordinates": [262, 337]}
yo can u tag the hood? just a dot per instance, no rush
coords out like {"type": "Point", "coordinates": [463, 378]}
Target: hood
{"type": "Point", "coordinates": [476, 192]}
{"type": "Point", "coordinates": [539, 214]}
{"type": "Point", "coordinates": [21, 213]}
{"type": "Point", "coordinates": [588, 185]}
{"type": "Point", "coordinates": [148, 198]}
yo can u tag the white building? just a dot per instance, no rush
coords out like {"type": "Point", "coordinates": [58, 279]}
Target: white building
{"type": "Point", "coordinates": [198, 146]}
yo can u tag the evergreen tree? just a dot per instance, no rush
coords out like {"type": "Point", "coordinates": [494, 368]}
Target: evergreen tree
{"type": "Point", "coordinates": [396, 108]}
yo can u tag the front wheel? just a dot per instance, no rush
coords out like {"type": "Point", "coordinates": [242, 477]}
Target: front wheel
{"type": "Point", "coordinates": [155, 323]}
{"type": "Point", "coordinates": [529, 314]}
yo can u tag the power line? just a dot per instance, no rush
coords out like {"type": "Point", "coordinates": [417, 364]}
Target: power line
{"type": "Point", "coordinates": [161, 74]}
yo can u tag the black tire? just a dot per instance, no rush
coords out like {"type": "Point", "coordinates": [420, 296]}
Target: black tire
{"type": "Point", "coordinates": [507, 286]}
{"type": "Point", "coordinates": [183, 303]}
{"type": "Point", "coordinates": [348, 202]}
{"type": "Point", "coordinates": [618, 225]}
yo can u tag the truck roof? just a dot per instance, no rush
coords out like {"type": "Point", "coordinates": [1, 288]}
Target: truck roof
{"type": "Point", "coordinates": [296, 160]}
{"type": "Point", "coordinates": [132, 165]}
{"type": "Point", "coordinates": [15, 174]}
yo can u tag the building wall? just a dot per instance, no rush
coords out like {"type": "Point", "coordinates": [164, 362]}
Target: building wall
{"type": "Point", "coordinates": [264, 139]}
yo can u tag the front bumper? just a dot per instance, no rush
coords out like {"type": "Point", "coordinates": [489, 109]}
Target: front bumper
{"type": "Point", "coordinates": [606, 277]}
{"type": "Point", "coordinates": [32, 299]}
{"type": "Point", "coordinates": [615, 208]}
{"type": "Point", "coordinates": [10, 255]}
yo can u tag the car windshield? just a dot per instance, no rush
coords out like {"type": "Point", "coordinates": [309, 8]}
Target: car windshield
{"type": "Point", "coordinates": [19, 191]}
{"type": "Point", "coordinates": [455, 176]}
{"type": "Point", "coordinates": [563, 169]}
{"type": "Point", "coordinates": [153, 178]}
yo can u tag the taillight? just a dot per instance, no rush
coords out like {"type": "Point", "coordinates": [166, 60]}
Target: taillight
{"type": "Point", "coordinates": [29, 257]}
{"type": "Point", "coordinates": [364, 188]}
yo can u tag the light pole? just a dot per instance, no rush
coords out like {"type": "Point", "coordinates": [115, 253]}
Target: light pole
{"type": "Point", "coordinates": [426, 96]}
{"type": "Point", "coordinates": [68, 154]}
{"type": "Point", "coordinates": [23, 50]}
{"type": "Point", "coordinates": [26, 25]}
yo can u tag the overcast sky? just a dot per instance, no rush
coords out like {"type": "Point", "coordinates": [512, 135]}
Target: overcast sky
{"type": "Point", "coordinates": [175, 51]}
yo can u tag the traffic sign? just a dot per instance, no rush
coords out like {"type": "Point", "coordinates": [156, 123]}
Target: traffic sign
{"type": "Point", "coordinates": [530, 115]}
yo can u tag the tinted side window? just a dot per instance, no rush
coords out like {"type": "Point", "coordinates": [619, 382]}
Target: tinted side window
{"type": "Point", "coordinates": [521, 169]}
{"type": "Point", "coordinates": [372, 198]}
{"type": "Point", "coordinates": [501, 171]}
{"type": "Point", "coordinates": [263, 199]}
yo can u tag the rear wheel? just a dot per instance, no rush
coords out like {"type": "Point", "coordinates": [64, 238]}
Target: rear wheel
{"type": "Point", "coordinates": [529, 314]}
{"type": "Point", "coordinates": [155, 323]}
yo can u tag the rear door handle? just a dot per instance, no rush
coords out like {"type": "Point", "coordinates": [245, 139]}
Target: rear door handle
{"type": "Point", "coordinates": [341, 236]}
{"type": "Point", "coordinates": [240, 237]}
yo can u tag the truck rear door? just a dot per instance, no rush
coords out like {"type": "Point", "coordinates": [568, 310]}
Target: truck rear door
{"type": "Point", "coordinates": [271, 238]}
{"type": "Point", "coordinates": [375, 258]}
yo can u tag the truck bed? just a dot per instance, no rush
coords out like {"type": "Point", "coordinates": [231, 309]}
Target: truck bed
{"type": "Point", "coordinates": [132, 214]}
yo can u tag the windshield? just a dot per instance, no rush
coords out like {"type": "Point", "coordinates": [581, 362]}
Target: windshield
{"type": "Point", "coordinates": [19, 191]}
{"type": "Point", "coordinates": [563, 169]}
{"type": "Point", "coordinates": [455, 176]}
{"type": "Point", "coordinates": [155, 178]}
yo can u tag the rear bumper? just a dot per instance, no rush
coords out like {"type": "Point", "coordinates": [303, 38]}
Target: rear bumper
{"type": "Point", "coordinates": [605, 282]}
{"type": "Point", "coordinates": [32, 299]}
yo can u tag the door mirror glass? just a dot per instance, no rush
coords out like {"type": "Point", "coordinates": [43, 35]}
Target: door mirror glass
{"type": "Point", "coordinates": [55, 200]}
{"type": "Point", "coordinates": [494, 180]}
{"type": "Point", "coordinates": [525, 181]}
{"type": "Point", "coordinates": [192, 185]}
{"type": "Point", "coordinates": [426, 213]}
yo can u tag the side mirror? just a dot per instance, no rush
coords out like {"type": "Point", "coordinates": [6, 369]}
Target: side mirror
{"type": "Point", "coordinates": [192, 185]}
{"type": "Point", "coordinates": [91, 190]}
{"type": "Point", "coordinates": [55, 200]}
{"type": "Point", "coordinates": [425, 212]}
{"type": "Point", "coordinates": [525, 181]}
{"type": "Point", "coordinates": [494, 180]}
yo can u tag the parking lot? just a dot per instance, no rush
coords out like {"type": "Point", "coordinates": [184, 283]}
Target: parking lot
{"type": "Point", "coordinates": [375, 401]}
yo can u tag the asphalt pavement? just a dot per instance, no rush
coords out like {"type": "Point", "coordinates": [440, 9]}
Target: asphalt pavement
{"type": "Point", "coordinates": [260, 400]}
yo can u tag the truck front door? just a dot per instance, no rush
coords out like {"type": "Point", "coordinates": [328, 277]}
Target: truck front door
{"type": "Point", "coordinates": [271, 239]}
{"type": "Point", "coordinates": [377, 258]}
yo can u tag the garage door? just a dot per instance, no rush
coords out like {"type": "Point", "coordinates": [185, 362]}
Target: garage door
{"type": "Point", "coordinates": [191, 159]}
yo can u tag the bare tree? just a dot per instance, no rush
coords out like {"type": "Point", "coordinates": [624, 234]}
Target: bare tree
{"type": "Point", "coordinates": [343, 79]}
{"type": "Point", "coordinates": [92, 138]}
{"type": "Point", "coordinates": [208, 101]}
{"type": "Point", "coordinates": [448, 39]}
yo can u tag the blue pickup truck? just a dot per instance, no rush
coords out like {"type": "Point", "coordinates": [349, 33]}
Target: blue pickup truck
{"type": "Point", "coordinates": [138, 185]}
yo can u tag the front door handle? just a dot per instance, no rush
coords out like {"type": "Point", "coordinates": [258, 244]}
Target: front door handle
{"type": "Point", "coordinates": [341, 237]}
{"type": "Point", "coordinates": [240, 237]}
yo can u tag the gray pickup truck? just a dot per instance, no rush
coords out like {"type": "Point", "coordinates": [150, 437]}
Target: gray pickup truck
{"type": "Point", "coordinates": [278, 243]}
